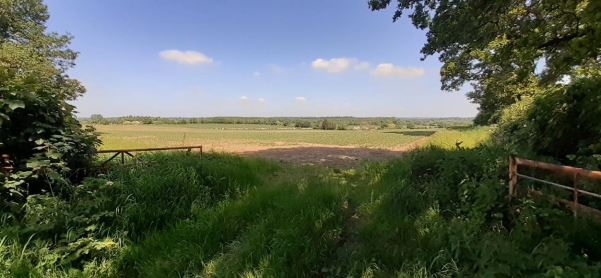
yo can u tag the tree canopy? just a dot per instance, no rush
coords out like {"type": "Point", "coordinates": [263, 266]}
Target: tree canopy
{"type": "Point", "coordinates": [497, 46]}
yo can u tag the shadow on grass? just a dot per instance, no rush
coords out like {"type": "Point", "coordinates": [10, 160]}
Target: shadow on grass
{"type": "Point", "coordinates": [329, 156]}
{"type": "Point", "coordinates": [462, 128]}
{"type": "Point", "coordinates": [413, 132]}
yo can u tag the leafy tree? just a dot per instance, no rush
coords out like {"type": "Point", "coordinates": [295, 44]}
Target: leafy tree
{"type": "Point", "coordinates": [38, 129]}
{"type": "Point", "coordinates": [498, 44]}
{"type": "Point", "coordinates": [328, 125]}
{"type": "Point", "coordinates": [96, 118]}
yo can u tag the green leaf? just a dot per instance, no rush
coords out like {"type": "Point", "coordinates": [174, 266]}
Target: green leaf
{"type": "Point", "coordinates": [54, 175]}
{"type": "Point", "coordinates": [54, 155]}
{"type": "Point", "coordinates": [37, 163]}
{"type": "Point", "coordinates": [25, 174]}
{"type": "Point", "coordinates": [14, 104]}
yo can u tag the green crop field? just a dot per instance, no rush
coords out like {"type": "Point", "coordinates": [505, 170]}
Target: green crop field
{"type": "Point", "coordinates": [224, 136]}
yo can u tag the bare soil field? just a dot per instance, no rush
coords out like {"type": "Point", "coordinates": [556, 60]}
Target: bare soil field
{"type": "Point", "coordinates": [340, 149]}
{"type": "Point", "coordinates": [326, 155]}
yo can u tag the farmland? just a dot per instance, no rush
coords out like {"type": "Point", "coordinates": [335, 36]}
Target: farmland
{"type": "Point", "coordinates": [234, 137]}
{"type": "Point", "coordinates": [341, 148]}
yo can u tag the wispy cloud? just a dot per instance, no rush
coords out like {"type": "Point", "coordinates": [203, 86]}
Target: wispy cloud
{"type": "Point", "coordinates": [277, 69]}
{"type": "Point", "coordinates": [185, 57]}
{"type": "Point", "coordinates": [256, 74]}
{"type": "Point", "coordinates": [243, 98]}
{"type": "Point", "coordinates": [261, 100]}
{"type": "Point", "coordinates": [395, 71]}
{"type": "Point", "coordinates": [300, 99]}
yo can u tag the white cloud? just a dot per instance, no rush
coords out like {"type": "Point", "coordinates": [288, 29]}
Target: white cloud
{"type": "Point", "coordinates": [392, 70]}
{"type": "Point", "coordinates": [339, 64]}
{"type": "Point", "coordinates": [300, 99]}
{"type": "Point", "coordinates": [333, 65]}
{"type": "Point", "coordinates": [185, 57]}
{"type": "Point", "coordinates": [243, 98]}
{"type": "Point", "coordinates": [261, 100]}
{"type": "Point", "coordinates": [257, 74]}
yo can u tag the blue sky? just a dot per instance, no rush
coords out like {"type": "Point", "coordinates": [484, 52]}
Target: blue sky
{"type": "Point", "coordinates": [250, 58]}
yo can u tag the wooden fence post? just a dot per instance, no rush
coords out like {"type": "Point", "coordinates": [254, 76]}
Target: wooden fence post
{"type": "Point", "coordinates": [576, 205]}
{"type": "Point", "coordinates": [122, 158]}
{"type": "Point", "coordinates": [200, 151]}
{"type": "Point", "coordinates": [513, 176]}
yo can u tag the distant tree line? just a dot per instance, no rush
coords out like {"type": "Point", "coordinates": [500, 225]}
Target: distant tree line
{"type": "Point", "coordinates": [327, 123]}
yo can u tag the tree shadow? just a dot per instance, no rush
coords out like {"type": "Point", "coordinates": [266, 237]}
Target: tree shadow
{"type": "Point", "coordinates": [413, 132]}
{"type": "Point", "coordinates": [341, 157]}
{"type": "Point", "coordinates": [461, 128]}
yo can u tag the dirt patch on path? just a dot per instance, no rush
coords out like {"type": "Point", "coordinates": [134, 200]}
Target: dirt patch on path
{"type": "Point", "coordinates": [333, 156]}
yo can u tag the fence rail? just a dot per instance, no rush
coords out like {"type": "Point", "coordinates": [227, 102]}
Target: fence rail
{"type": "Point", "coordinates": [573, 172]}
{"type": "Point", "coordinates": [6, 167]}
{"type": "Point", "coordinates": [128, 152]}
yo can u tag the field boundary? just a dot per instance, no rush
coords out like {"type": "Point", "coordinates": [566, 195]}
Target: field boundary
{"type": "Point", "coordinates": [573, 172]}
{"type": "Point", "coordinates": [128, 152]}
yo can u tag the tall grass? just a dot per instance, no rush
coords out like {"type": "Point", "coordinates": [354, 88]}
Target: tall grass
{"type": "Point", "coordinates": [435, 212]}
{"type": "Point", "coordinates": [466, 137]}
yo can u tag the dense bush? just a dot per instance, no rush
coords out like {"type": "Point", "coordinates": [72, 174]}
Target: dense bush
{"type": "Point", "coordinates": [560, 123]}
{"type": "Point", "coordinates": [44, 142]}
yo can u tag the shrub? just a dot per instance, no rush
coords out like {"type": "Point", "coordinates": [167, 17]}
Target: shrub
{"type": "Point", "coordinates": [38, 129]}
{"type": "Point", "coordinates": [559, 123]}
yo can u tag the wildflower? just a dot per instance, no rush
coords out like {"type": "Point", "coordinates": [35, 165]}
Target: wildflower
{"type": "Point", "coordinates": [110, 243]}
{"type": "Point", "coordinates": [109, 183]}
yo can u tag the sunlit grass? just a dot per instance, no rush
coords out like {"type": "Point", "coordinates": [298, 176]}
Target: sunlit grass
{"type": "Point", "coordinates": [467, 137]}
{"type": "Point", "coordinates": [146, 136]}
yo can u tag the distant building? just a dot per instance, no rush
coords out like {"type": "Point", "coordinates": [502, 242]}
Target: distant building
{"type": "Point", "coordinates": [132, 123]}
{"type": "Point", "coordinates": [365, 127]}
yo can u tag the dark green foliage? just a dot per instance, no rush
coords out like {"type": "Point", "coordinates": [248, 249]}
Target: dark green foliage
{"type": "Point", "coordinates": [560, 123]}
{"type": "Point", "coordinates": [38, 130]}
{"type": "Point", "coordinates": [328, 125]}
